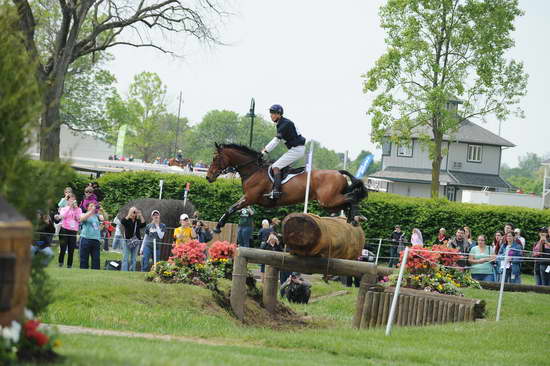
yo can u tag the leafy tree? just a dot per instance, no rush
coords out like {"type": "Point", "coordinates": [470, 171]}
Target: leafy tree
{"type": "Point", "coordinates": [529, 174]}
{"type": "Point", "coordinates": [89, 27]}
{"type": "Point", "coordinates": [144, 111]}
{"type": "Point", "coordinates": [20, 106]}
{"type": "Point", "coordinates": [440, 50]}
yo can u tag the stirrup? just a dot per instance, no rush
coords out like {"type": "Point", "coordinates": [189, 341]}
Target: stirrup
{"type": "Point", "coordinates": [273, 195]}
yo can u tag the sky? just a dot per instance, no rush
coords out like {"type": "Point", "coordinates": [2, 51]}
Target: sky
{"type": "Point", "coordinates": [309, 56]}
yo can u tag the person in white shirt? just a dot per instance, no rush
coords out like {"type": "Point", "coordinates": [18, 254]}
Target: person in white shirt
{"type": "Point", "coordinates": [153, 232]}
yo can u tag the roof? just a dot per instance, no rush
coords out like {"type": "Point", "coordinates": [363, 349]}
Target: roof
{"type": "Point", "coordinates": [546, 162]}
{"type": "Point", "coordinates": [483, 180]}
{"type": "Point", "coordinates": [398, 174]}
{"type": "Point", "coordinates": [470, 132]}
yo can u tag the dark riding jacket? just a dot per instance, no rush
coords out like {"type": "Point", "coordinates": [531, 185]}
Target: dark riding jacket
{"type": "Point", "coordinates": [287, 131]}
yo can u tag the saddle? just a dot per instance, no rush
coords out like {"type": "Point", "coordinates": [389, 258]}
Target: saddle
{"type": "Point", "coordinates": [287, 173]}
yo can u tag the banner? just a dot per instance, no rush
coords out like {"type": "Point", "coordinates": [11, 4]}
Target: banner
{"type": "Point", "coordinates": [367, 161]}
{"type": "Point", "coordinates": [119, 150]}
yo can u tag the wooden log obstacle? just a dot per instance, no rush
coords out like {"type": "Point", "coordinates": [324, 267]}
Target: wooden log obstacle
{"type": "Point", "coordinates": [328, 237]}
{"type": "Point", "coordinates": [416, 308]}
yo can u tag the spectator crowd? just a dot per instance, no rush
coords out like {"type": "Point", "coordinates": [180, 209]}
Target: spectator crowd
{"type": "Point", "coordinates": [486, 257]}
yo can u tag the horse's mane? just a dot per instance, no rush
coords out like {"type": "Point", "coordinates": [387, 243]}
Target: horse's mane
{"type": "Point", "coordinates": [242, 148]}
{"type": "Point", "coordinates": [250, 152]}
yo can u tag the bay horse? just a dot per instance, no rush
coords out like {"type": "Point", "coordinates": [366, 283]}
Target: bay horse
{"type": "Point", "coordinates": [329, 187]}
{"type": "Point", "coordinates": [182, 164]}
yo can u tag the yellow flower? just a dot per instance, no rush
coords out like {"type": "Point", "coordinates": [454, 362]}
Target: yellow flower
{"type": "Point", "coordinates": [56, 343]}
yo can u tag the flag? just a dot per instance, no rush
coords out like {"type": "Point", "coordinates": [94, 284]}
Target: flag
{"type": "Point", "coordinates": [367, 161]}
{"type": "Point", "coordinates": [119, 150]}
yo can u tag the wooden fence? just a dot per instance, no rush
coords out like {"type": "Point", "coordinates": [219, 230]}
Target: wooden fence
{"type": "Point", "coordinates": [416, 308]}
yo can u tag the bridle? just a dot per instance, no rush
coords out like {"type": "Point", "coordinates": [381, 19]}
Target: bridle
{"type": "Point", "coordinates": [239, 166]}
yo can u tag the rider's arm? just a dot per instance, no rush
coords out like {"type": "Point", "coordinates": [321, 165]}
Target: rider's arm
{"type": "Point", "coordinates": [272, 144]}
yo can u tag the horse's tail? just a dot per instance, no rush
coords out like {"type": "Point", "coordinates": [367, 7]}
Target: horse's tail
{"type": "Point", "coordinates": [357, 187]}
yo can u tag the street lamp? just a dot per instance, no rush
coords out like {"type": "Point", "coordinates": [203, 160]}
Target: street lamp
{"type": "Point", "coordinates": [251, 115]}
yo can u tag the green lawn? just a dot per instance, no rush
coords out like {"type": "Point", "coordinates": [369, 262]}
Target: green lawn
{"type": "Point", "coordinates": [124, 301]}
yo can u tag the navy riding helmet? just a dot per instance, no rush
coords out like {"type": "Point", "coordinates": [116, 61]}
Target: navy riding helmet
{"type": "Point", "coordinates": [276, 108]}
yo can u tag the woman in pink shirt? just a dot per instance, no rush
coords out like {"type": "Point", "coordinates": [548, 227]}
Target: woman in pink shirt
{"type": "Point", "coordinates": [70, 221]}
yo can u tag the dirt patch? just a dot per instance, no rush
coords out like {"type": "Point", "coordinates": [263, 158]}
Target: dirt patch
{"type": "Point", "coordinates": [255, 313]}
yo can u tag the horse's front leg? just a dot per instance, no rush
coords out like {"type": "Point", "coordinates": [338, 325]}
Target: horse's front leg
{"type": "Point", "coordinates": [230, 211]}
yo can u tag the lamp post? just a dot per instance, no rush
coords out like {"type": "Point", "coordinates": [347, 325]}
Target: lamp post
{"type": "Point", "coordinates": [251, 115]}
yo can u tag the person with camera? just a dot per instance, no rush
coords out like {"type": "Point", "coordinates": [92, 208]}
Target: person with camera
{"type": "Point", "coordinates": [185, 232]}
{"type": "Point", "coordinates": [70, 222]}
{"type": "Point", "coordinates": [296, 289]}
{"type": "Point", "coordinates": [203, 231]}
{"type": "Point", "coordinates": [153, 231]}
{"type": "Point", "coordinates": [90, 235]}
{"type": "Point", "coordinates": [541, 251]}
{"type": "Point", "coordinates": [132, 224]}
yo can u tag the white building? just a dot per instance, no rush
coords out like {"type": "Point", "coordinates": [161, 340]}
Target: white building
{"type": "Point", "coordinates": [472, 163]}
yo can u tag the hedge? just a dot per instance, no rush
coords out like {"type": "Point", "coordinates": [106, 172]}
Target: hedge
{"type": "Point", "coordinates": [383, 210]}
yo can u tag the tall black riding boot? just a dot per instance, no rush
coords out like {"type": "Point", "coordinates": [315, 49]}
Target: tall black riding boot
{"type": "Point", "coordinates": [276, 193]}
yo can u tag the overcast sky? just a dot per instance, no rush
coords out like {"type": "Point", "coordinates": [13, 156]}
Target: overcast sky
{"type": "Point", "coordinates": [309, 56]}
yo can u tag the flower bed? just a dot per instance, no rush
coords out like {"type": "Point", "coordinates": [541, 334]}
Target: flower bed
{"type": "Point", "coordinates": [191, 263]}
{"type": "Point", "coordinates": [31, 341]}
{"type": "Point", "coordinates": [434, 269]}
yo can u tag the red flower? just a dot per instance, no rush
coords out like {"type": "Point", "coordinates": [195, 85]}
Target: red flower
{"type": "Point", "coordinates": [189, 253]}
{"type": "Point", "coordinates": [40, 338]}
{"type": "Point", "coordinates": [31, 326]}
{"type": "Point", "coordinates": [222, 250]}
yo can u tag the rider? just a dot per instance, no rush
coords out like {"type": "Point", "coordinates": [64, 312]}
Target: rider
{"type": "Point", "coordinates": [294, 142]}
{"type": "Point", "coordinates": [179, 156]}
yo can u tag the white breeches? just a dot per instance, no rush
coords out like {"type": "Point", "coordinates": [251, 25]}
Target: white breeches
{"type": "Point", "coordinates": [290, 157]}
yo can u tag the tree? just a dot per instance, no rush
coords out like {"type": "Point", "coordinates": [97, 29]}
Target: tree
{"type": "Point", "coordinates": [89, 27]}
{"type": "Point", "coordinates": [529, 174]}
{"type": "Point", "coordinates": [20, 106]}
{"type": "Point", "coordinates": [144, 112]}
{"type": "Point", "coordinates": [442, 50]}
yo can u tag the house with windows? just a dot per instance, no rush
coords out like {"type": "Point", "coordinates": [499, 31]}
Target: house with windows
{"type": "Point", "coordinates": [472, 163]}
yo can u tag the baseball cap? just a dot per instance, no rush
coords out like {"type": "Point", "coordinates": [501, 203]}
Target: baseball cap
{"type": "Point", "coordinates": [184, 217]}
{"type": "Point", "coordinates": [155, 212]}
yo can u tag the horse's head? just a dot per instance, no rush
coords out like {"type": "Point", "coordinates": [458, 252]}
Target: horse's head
{"type": "Point", "coordinates": [220, 162]}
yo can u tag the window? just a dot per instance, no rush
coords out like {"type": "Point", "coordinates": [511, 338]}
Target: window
{"type": "Point", "coordinates": [386, 148]}
{"type": "Point", "coordinates": [450, 192]}
{"type": "Point", "coordinates": [405, 150]}
{"type": "Point", "coordinates": [474, 153]}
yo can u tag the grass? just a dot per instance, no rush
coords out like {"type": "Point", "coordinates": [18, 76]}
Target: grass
{"type": "Point", "coordinates": [124, 301]}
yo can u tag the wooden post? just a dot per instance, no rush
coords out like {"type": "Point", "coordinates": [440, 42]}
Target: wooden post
{"type": "Point", "coordinates": [366, 310]}
{"type": "Point", "coordinates": [356, 323]}
{"type": "Point", "coordinates": [414, 310]}
{"type": "Point", "coordinates": [374, 311]}
{"type": "Point", "coordinates": [238, 286]}
{"type": "Point", "coordinates": [420, 312]}
{"type": "Point", "coordinates": [461, 311]}
{"type": "Point", "coordinates": [406, 313]}
{"type": "Point", "coordinates": [383, 319]}
{"type": "Point", "coordinates": [401, 310]}
{"type": "Point", "coordinates": [271, 285]}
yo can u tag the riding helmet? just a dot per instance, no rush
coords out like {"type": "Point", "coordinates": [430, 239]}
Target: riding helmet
{"type": "Point", "coordinates": [276, 108]}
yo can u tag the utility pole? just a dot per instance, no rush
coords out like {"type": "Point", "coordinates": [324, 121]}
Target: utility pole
{"type": "Point", "coordinates": [251, 115]}
{"type": "Point", "coordinates": [178, 125]}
